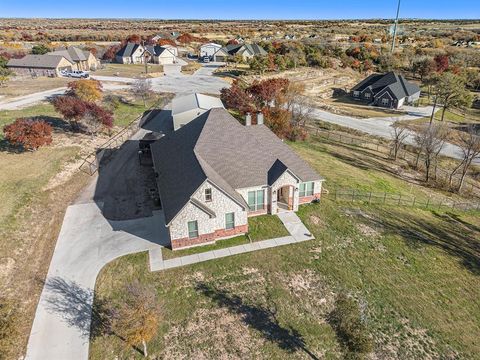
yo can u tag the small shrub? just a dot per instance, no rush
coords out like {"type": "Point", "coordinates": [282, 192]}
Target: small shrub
{"type": "Point", "coordinates": [28, 133]}
{"type": "Point", "coordinates": [350, 328]}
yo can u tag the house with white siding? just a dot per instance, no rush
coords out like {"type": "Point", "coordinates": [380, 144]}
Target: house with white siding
{"type": "Point", "coordinates": [213, 173]}
{"type": "Point", "coordinates": [130, 53]}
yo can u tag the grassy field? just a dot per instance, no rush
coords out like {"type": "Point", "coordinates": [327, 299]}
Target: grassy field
{"type": "Point", "coordinates": [414, 273]}
{"type": "Point", "coordinates": [357, 109]}
{"type": "Point", "coordinates": [27, 86]}
{"type": "Point", "coordinates": [259, 228]}
{"type": "Point", "coordinates": [123, 114]}
{"type": "Point", "coordinates": [190, 68]}
{"type": "Point", "coordinates": [129, 70]}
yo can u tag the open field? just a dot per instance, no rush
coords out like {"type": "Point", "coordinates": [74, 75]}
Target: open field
{"type": "Point", "coordinates": [414, 274]}
{"type": "Point", "coordinates": [26, 86]}
{"type": "Point", "coordinates": [129, 70]}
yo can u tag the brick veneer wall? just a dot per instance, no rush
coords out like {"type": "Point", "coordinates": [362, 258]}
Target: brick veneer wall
{"type": "Point", "coordinates": [208, 238]}
{"type": "Point", "coordinates": [308, 199]}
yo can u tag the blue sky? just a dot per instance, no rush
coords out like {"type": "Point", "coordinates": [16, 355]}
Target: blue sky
{"type": "Point", "coordinates": [244, 9]}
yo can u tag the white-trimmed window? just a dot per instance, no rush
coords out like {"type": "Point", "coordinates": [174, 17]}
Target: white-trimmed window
{"type": "Point", "coordinates": [367, 95]}
{"type": "Point", "coordinates": [256, 200]}
{"type": "Point", "coordinates": [306, 189]}
{"type": "Point", "coordinates": [193, 229]}
{"type": "Point", "coordinates": [208, 194]}
{"type": "Point", "coordinates": [385, 101]}
{"type": "Point", "coordinates": [229, 220]}
{"type": "Point", "coordinates": [356, 93]}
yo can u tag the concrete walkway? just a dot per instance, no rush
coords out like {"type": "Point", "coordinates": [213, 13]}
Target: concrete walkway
{"type": "Point", "coordinates": [298, 233]}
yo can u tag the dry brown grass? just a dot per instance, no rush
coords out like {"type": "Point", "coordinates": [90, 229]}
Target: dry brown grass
{"type": "Point", "coordinates": [19, 86]}
{"type": "Point", "coordinates": [129, 70]}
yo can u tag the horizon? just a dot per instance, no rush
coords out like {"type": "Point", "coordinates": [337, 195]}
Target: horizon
{"type": "Point", "coordinates": [247, 10]}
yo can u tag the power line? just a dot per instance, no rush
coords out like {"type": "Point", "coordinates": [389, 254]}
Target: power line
{"type": "Point", "coordinates": [395, 27]}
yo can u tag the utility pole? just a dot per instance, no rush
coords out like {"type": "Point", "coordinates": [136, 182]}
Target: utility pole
{"type": "Point", "coordinates": [145, 57]}
{"type": "Point", "coordinates": [395, 28]}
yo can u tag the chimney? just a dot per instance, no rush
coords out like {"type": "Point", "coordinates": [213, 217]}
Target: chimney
{"type": "Point", "coordinates": [248, 119]}
{"type": "Point", "coordinates": [259, 118]}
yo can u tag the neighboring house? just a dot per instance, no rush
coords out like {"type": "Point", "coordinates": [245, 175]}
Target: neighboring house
{"type": "Point", "coordinates": [82, 60]}
{"type": "Point", "coordinates": [160, 55]}
{"type": "Point", "coordinates": [247, 51]}
{"type": "Point", "coordinates": [171, 48]}
{"type": "Point", "coordinates": [221, 55]}
{"type": "Point", "coordinates": [40, 65]}
{"type": "Point", "coordinates": [209, 50]}
{"type": "Point", "coordinates": [188, 107]}
{"type": "Point", "coordinates": [213, 173]}
{"type": "Point", "coordinates": [130, 53]}
{"type": "Point", "coordinates": [386, 90]}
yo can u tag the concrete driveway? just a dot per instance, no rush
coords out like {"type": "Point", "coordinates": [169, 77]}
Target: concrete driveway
{"type": "Point", "coordinates": [88, 240]}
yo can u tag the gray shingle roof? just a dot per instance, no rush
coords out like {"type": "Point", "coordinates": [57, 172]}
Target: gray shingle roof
{"type": "Point", "coordinates": [217, 147]}
{"type": "Point", "coordinates": [157, 50]}
{"type": "Point", "coordinates": [37, 61]}
{"type": "Point", "coordinates": [253, 49]}
{"type": "Point", "coordinates": [127, 50]}
{"type": "Point", "coordinates": [72, 54]}
{"type": "Point", "coordinates": [397, 85]}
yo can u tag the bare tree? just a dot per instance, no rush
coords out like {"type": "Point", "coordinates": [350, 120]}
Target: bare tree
{"type": "Point", "coordinates": [138, 316]}
{"type": "Point", "coordinates": [399, 134]}
{"type": "Point", "coordinates": [298, 104]}
{"type": "Point", "coordinates": [142, 88]}
{"type": "Point", "coordinates": [470, 146]}
{"type": "Point", "coordinates": [430, 139]}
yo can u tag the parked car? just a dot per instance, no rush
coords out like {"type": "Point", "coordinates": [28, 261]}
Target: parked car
{"type": "Point", "coordinates": [75, 74]}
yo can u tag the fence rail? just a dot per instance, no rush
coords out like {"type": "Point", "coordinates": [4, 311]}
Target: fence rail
{"type": "Point", "coordinates": [91, 162]}
{"type": "Point", "coordinates": [438, 174]}
{"type": "Point", "coordinates": [395, 199]}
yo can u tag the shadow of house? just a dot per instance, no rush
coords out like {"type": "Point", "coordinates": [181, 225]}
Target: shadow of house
{"type": "Point", "coordinates": [261, 319]}
{"type": "Point", "coordinates": [158, 121]}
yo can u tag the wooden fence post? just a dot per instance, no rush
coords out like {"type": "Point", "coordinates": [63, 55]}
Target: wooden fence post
{"type": "Point", "coordinates": [384, 197]}
{"type": "Point", "coordinates": [428, 203]}
{"type": "Point", "coordinates": [370, 198]}
{"type": "Point", "coordinates": [353, 195]}
{"type": "Point", "coordinates": [399, 199]}
{"type": "Point", "coordinates": [413, 203]}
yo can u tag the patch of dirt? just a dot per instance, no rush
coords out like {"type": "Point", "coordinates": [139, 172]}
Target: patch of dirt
{"type": "Point", "coordinates": [366, 230]}
{"type": "Point", "coordinates": [408, 342]}
{"type": "Point", "coordinates": [212, 334]}
{"type": "Point", "coordinates": [87, 145]}
{"type": "Point", "coordinates": [317, 221]}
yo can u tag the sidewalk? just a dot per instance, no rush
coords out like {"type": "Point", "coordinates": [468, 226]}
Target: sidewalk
{"type": "Point", "coordinates": [298, 233]}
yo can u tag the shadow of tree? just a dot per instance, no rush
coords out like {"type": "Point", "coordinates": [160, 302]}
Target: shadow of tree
{"type": "Point", "coordinates": [78, 307]}
{"type": "Point", "coordinates": [261, 319]}
{"type": "Point", "coordinates": [453, 235]}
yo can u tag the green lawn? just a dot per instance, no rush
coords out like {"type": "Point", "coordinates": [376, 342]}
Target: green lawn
{"type": "Point", "coordinates": [415, 274]}
{"type": "Point", "coordinates": [259, 228]}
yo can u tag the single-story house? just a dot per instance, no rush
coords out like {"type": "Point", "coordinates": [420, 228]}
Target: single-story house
{"type": "Point", "coordinates": [82, 60]}
{"type": "Point", "coordinates": [40, 65]}
{"type": "Point", "coordinates": [214, 173]}
{"type": "Point", "coordinates": [160, 55]}
{"type": "Point", "coordinates": [188, 107]}
{"type": "Point", "coordinates": [247, 51]}
{"type": "Point", "coordinates": [386, 90]}
{"type": "Point", "coordinates": [209, 50]}
{"type": "Point", "coordinates": [130, 53]}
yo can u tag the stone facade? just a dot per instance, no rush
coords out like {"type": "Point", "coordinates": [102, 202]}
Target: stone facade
{"type": "Point", "coordinates": [212, 228]}
{"type": "Point", "coordinates": [286, 179]}
{"type": "Point", "coordinates": [209, 228]}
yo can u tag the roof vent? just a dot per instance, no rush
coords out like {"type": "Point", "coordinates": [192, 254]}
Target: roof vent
{"type": "Point", "coordinates": [259, 118]}
{"type": "Point", "coordinates": [248, 119]}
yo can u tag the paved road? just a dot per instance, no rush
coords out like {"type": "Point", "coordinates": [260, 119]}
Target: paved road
{"type": "Point", "coordinates": [174, 81]}
{"type": "Point", "coordinates": [382, 126]}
